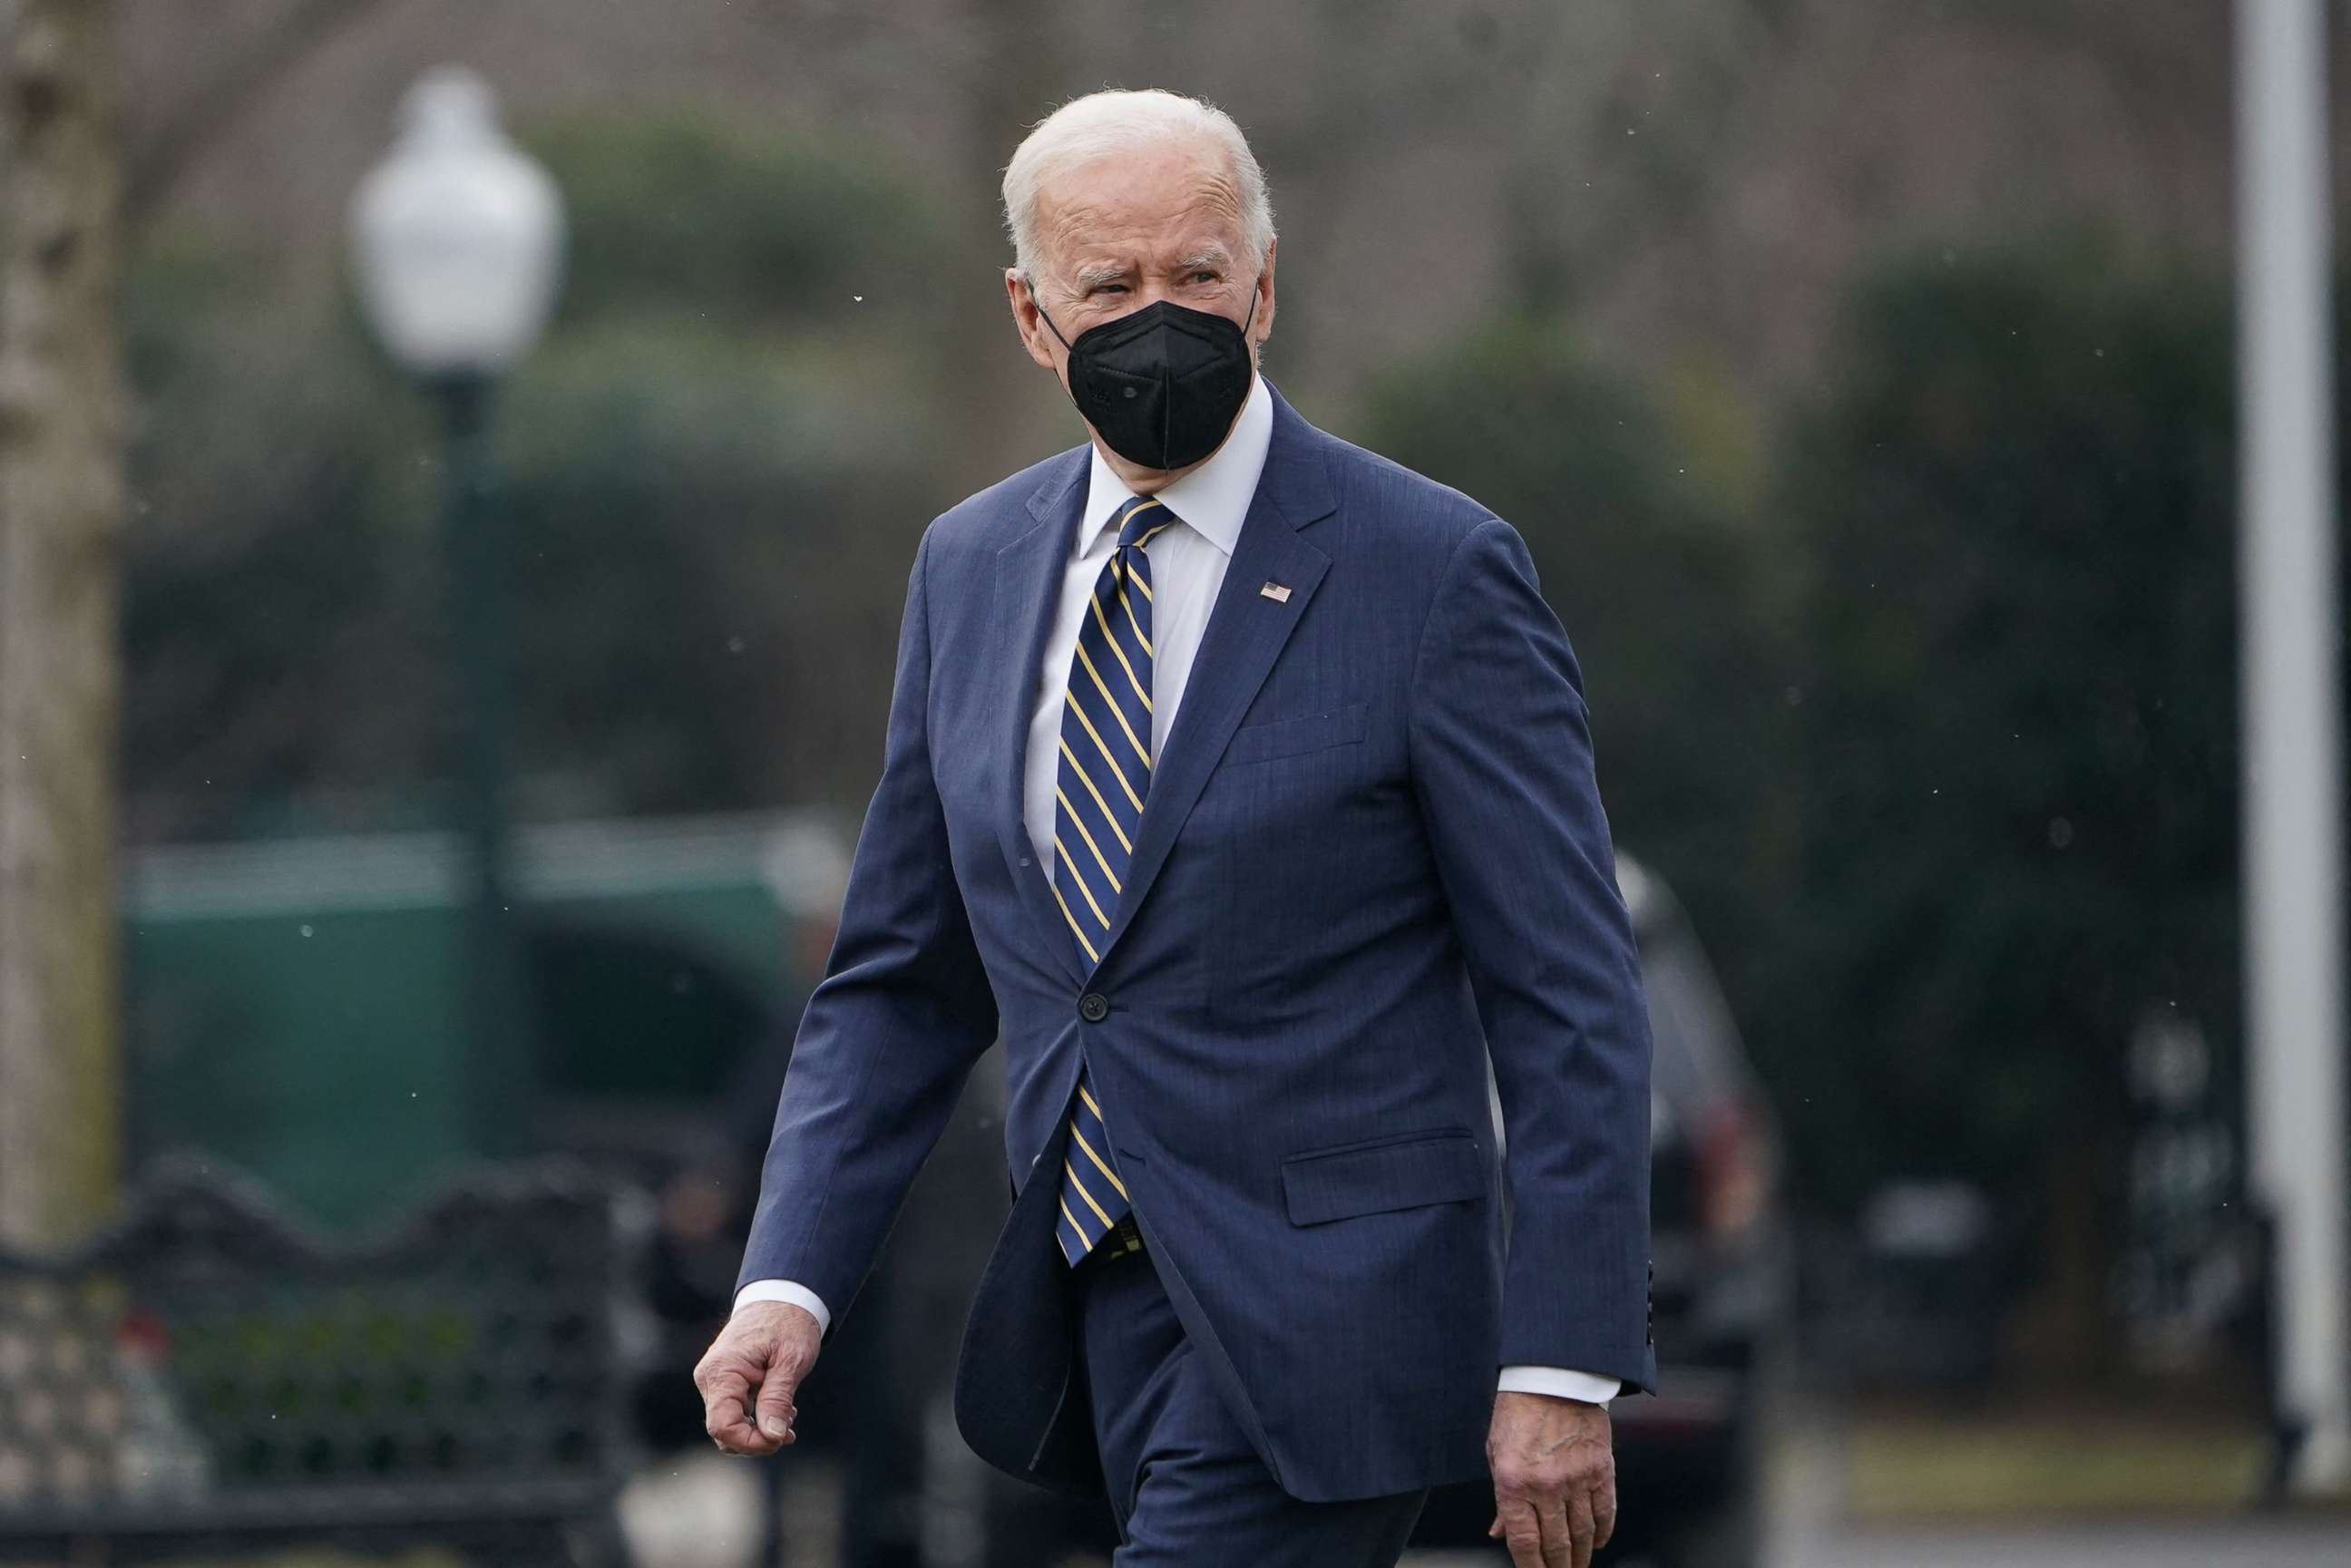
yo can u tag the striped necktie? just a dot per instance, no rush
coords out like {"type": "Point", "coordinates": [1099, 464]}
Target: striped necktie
{"type": "Point", "coordinates": [1105, 772]}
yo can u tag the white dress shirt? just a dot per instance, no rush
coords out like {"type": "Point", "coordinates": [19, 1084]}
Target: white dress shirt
{"type": "Point", "coordinates": [1187, 568]}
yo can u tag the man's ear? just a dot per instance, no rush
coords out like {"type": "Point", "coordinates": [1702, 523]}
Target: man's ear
{"type": "Point", "coordinates": [1262, 327]}
{"type": "Point", "coordinates": [1025, 318]}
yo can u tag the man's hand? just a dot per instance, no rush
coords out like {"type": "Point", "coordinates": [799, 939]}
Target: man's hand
{"type": "Point", "coordinates": [751, 1372]}
{"type": "Point", "coordinates": [1554, 1480]}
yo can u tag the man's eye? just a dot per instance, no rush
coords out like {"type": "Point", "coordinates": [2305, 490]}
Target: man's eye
{"type": "Point", "coordinates": [1204, 276]}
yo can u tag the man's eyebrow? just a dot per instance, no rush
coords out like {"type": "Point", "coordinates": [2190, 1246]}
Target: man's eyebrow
{"type": "Point", "coordinates": [1101, 272]}
{"type": "Point", "coordinates": [1214, 258]}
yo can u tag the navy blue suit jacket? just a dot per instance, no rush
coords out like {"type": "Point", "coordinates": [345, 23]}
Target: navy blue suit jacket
{"type": "Point", "coordinates": [1372, 857]}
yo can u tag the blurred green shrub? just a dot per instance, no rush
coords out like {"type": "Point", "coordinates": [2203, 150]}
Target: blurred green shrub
{"type": "Point", "coordinates": [2014, 507]}
{"type": "Point", "coordinates": [684, 212]}
{"type": "Point", "coordinates": [707, 504]}
{"type": "Point", "coordinates": [1937, 746]}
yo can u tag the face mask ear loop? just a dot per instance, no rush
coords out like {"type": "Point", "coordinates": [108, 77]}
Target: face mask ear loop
{"type": "Point", "coordinates": [1031, 285]}
{"type": "Point", "coordinates": [1067, 391]}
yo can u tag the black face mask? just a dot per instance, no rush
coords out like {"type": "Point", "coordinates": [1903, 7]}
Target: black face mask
{"type": "Point", "coordinates": [1163, 385]}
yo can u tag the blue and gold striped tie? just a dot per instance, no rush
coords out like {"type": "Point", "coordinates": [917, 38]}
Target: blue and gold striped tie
{"type": "Point", "coordinates": [1105, 773]}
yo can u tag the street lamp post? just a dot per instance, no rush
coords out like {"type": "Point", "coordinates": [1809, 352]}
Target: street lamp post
{"type": "Point", "coordinates": [457, 240]}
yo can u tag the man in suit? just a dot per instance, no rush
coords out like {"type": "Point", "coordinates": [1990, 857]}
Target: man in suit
{"type": "Point", "coordinates": [1239, 781]}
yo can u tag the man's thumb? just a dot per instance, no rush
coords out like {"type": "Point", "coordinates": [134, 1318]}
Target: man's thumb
{"type": "Point", "coordinates": [774, 1407]}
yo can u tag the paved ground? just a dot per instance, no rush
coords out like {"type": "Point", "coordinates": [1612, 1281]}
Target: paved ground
{"type": "Point", "coordinates": [2250, 1544]}
{"type": "Point", "coordinates": [696, 1514]}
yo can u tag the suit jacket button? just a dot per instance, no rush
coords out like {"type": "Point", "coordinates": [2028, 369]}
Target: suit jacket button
{"type": "Point", "coordinates": [1094, 1007]}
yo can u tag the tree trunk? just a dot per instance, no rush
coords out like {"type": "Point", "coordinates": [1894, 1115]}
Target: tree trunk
{"type": "Point", "coordinates": [61, 495]}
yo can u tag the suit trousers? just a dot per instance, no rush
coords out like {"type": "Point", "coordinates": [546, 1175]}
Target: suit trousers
{"type": "Point", "coordinates": [1185, 1484]}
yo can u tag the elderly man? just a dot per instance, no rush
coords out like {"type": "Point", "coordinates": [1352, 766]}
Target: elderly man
{"type": "Point", "coordinates": [1239, 781]}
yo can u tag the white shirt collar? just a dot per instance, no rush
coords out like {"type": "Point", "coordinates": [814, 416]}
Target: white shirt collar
{"type": "Point", "coordinates": [1213, 499]}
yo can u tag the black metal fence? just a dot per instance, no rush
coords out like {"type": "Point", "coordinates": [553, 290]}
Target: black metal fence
{"type": "Point", "coordinates": [206, 1377]}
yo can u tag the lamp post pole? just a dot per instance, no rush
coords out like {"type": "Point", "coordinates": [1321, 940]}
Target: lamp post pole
{"type": "Point", "coordinates": [501, 1038]}
{"type": "Point", "coordinates": [457, 239]}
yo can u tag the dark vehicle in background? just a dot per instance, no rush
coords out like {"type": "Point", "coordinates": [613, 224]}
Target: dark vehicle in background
{"type": "Point", "coordinates": [1690, 1459]}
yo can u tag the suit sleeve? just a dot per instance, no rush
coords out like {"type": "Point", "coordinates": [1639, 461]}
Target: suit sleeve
{"type": "Point", "coordinates": [890, 1033]}
{"type": "Point", "coordinates": [1502, 766]}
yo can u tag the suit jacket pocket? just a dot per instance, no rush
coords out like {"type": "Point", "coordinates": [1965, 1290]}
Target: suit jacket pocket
{"type": "Point", "coordinates": [1287, 737]}
{"type": "Point", "coordinates": [1441, 1166]}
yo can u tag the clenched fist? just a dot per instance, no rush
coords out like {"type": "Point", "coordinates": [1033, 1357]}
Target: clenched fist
{"type": "Point", "coordinates": [1554, 1480]}
{"type": "Point", "coordinates": [750, 1374]}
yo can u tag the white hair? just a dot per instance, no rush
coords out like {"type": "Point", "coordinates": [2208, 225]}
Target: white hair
{"type": "Point", "coordinates": [1090, 128]}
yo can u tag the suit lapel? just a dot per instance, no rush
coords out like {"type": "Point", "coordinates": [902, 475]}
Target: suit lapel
{"type": "Point", "coordinates": [1028, 572]}
{"type": "Point", "coordinates": [1245, 633]}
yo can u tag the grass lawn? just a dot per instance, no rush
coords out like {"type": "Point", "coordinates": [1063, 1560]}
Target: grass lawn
{"type": "Point", "coordinates": [1910, 1467]}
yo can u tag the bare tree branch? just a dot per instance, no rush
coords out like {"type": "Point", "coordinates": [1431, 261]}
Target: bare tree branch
{"type": "Point", "coordinates": [155, 170]}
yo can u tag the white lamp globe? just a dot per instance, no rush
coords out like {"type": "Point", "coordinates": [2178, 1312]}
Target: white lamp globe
{"type": "Point", "coordinates": [458, 235]}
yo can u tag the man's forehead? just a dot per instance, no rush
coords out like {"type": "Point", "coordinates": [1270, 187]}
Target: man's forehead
{"type": "Point", "coordinates": [1122, 204]}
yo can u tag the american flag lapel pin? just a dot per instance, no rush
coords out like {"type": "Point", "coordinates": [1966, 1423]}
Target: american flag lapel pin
{"type": "Point", "coordinates": [1277, 592]}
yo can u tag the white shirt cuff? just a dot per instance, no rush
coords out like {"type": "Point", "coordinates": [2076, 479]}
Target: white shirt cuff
{"type": "Point", "coordinates": [1559, 1384]}
{"type": "Point", "coordinates": [792, 1291]}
